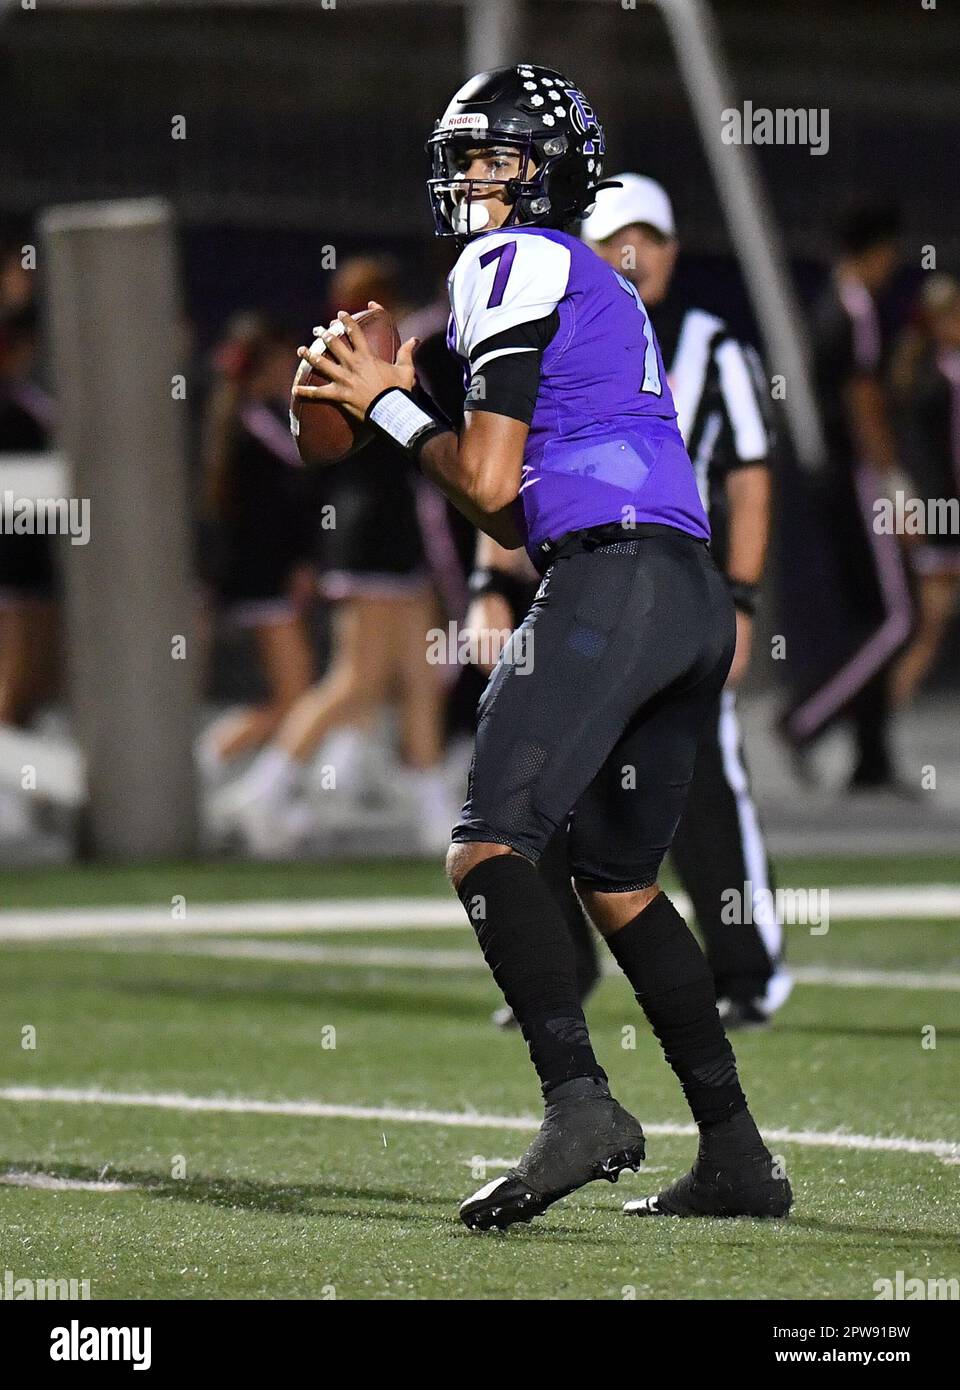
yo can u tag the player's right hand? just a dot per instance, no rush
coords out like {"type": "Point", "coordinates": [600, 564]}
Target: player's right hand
{"type": "Point", "coordinates": [488, 624]}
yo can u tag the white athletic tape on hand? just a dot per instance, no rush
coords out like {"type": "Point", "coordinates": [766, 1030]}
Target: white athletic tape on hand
{"type": "Point", "coordinates": [336, 326]}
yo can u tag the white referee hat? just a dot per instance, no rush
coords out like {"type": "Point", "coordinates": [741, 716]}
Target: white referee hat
{"type": "Point", "coordinates": [639, 200]}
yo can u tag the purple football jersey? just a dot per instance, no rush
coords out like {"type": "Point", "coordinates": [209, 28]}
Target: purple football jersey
{"type": "Point", "coordinates": [604, 445]}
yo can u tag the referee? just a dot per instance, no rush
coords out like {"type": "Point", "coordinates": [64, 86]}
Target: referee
{"type": "Point", "coordinates": [718, 391]}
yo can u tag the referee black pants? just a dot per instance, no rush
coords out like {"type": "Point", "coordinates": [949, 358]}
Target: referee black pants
{"type": "Point", "coordinates": [718, 851]}
{"type": "Point", "coordinates": [721, 860]}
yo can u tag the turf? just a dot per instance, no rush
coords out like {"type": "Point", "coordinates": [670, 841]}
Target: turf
{"type": "Point", "coordinates": [278, 1206]}
{"type": "Point", "coordinates": [225, 881]}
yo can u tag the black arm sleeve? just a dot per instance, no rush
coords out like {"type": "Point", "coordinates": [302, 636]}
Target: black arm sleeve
{"type": "Point", "coordinates": [506, 369]}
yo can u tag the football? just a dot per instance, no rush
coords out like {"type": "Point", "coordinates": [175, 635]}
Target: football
{"type": "Point", "coordinates": [323, 430]}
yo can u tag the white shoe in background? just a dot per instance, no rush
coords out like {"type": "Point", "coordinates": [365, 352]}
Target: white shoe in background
{"type": "Point", "coordinates": [16, 817]}
{"type": "Point", "coordinates": [429, 791]}
{"type": "Point", "coordinates": [352, 761]}
{"type": "Point", "coordinates": [257, 807]}
{"type": "Point", "coordinates": [275, 831]}
{"type": "Point", "coordinates": [778, 991]}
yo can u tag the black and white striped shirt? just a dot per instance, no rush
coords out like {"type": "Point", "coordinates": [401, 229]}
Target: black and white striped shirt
{"type": "Point", "coordinates": [721, 398]}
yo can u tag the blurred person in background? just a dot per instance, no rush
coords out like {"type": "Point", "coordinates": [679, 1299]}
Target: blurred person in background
{"type": "Point", "coordinates": [16, 280]}
{"type": "Point", "coordinates": [28, 605]}
{"type": "Point", "coordinates": [849, 603]}
{"type": "Point", "coordinates": [255, 505]}
{"type": "Point", "coordinates": [375, 569]}
{"type": "Point", "coordinates": [719, 392]}
{"type": "Point", "coordinates": [926, 380]}
{"type": "Point", "coordinates": [28, 584]}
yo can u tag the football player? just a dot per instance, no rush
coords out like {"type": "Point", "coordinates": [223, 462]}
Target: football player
{"type": "Point", "coordinates": [716, 384]}
{"type": "Point", "coordinates": [571, 449]}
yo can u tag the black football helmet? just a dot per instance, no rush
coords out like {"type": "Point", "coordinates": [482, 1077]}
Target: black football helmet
{"type": "Point", "coordinates": [539, 114]}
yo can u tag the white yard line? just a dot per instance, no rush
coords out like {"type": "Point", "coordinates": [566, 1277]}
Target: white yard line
{"type": "Point", "coordinates": [449, 1119]}
{"type": "Point", "coordinates": [46, 1182]}
{"type": "Point", "coordinates": [838, 978]}
{"type": "Point", "coordinates": [489, 1163]}
{"type": "Point", "coordinates": [309, 953]}
{"type": "Point", "coordinates": [329, 915]}
{"type": "Point", "coordinates": [415, 958]}
{"type": "Point", "coordinates": [928, 902]}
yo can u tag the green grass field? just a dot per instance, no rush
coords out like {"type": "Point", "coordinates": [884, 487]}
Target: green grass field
{"type": "Point", "coordinates": [217, 1203]}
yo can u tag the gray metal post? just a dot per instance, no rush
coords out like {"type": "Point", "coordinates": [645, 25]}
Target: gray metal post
{"type": "Point", "coordinates": [112, 306]}
{"type": "Point", "coordinates": [700, 54]}
{"type": "Point", "coordinates": [493, 32]}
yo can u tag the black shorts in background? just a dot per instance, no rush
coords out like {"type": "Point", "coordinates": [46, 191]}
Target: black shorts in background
{"type": "Point", "coordinates": [27, 569]}
{"type": "Point", "coordinates": [376, 546]}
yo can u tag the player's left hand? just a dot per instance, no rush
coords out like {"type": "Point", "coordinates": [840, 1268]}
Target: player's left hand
{"type": "Point", "coordinates": [355, 375]}
{"type": "Point", "coordinates": [741, 655]}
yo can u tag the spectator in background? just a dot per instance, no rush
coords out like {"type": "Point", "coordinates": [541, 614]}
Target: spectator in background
{"type": "Point", "coordinates": [361, 279]}
{"type": "Point", "coordinates": [28, 586]}
{"type": "Point", "coordinates": [927, 384]}
{"type": "Point", "coordinates": [28, 603]}
{"type": "Point", "coordinates": [259, 533]}
{"type": "Point", "coordinates": [847, 598]}
{"type": "Point", "coordinates": [375, 567]}
{"type": "Point", "coordinates": [17, 283]}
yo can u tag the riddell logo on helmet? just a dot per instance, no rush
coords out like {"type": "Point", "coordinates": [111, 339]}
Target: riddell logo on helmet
{"type": "Point", "coordinates": [473, 120]}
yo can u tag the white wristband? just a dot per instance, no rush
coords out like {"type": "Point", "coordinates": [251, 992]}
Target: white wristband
{"type": "Point", "coordinates": [399, 416]}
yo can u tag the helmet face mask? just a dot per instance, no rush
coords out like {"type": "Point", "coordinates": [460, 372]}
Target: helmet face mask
{"type": "Point", "coordinates": [457, 198]}
{"type": "Point", "coordinates": [527, 111]}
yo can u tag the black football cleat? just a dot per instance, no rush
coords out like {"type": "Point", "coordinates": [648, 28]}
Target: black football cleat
{"type": "Point", "coordinates": [739, 1015]}
{"type": "Point", "coordinates": [734, 1175]}
{"type": "Point", "coordinates": [585, 1135]}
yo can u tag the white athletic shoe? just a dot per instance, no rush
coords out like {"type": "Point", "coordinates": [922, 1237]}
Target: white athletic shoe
{"type": "Point", "coordinates": [432, 807]}
{"type": "Point", "coordinates": [275, 831]}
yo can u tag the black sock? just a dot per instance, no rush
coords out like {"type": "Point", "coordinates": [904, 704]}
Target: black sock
{"type": "Point", "coordinates": [526, 944]}
{"type": "Point", "coordinates": [660, 957]}
{"type": "Point", "coordinates": [554, 869]}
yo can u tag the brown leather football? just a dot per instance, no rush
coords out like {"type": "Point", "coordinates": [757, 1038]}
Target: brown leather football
{"type": "Point", "coordinates": [324, 432]}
